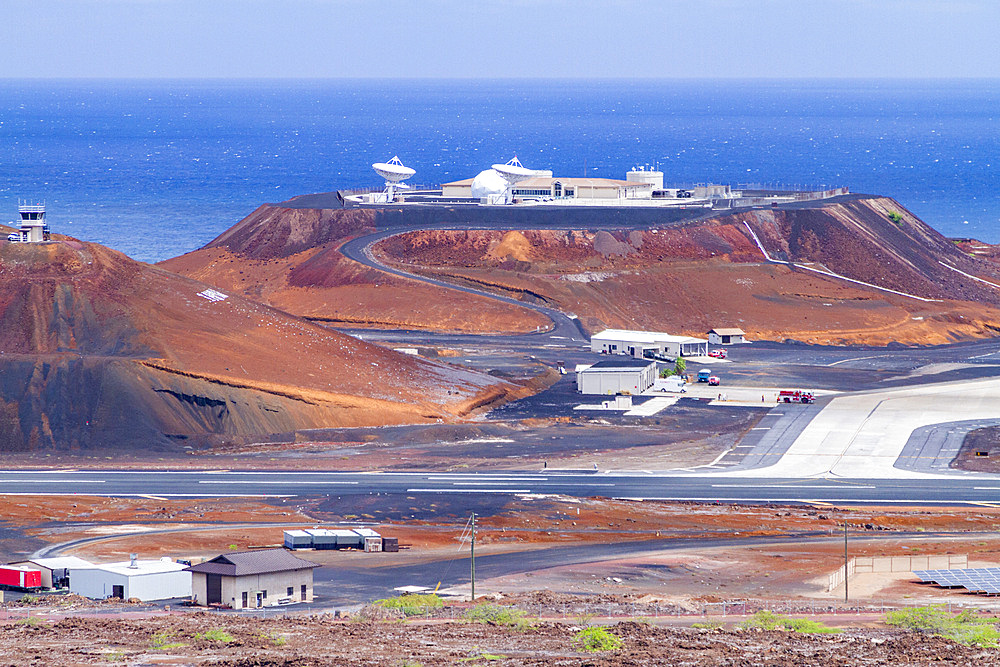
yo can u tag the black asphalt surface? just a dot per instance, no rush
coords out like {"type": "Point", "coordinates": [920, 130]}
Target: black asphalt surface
{"type": "Point", "coordinates": [961, 488]}
{"type": "Point", "coordinates": [932, 448]}
{"type": "Point", "coordinates": [346, 585]}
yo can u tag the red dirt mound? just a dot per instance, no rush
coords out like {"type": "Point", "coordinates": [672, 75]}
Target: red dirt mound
{"type": "Point", "coordinates": [100, 350]}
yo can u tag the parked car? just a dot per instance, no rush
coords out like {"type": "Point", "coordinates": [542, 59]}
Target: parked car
{"type": "Point", "coordinates": [721, 353]}
{"type": "Point", "coordinates": [714, 381]}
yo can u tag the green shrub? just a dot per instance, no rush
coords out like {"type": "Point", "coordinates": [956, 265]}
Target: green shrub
{"type": "Point", "coordinates": [478, 655]}
{"type": "Point", "coordinates": [768, 620]}
{"type": "Point", "coordinates": [162, 641]}
{"type": "Point", "coordinates": [965, 628]}
{"type": "Point", "coordinates": [214, 636]}
{"type": "Point", "coordinates": [707, 625]}
{"type": "Point", "coordinates": [30, 620]}
{"type": "Point", "coordinates": [597, 639]}
{"type": "Point", "coordinates": [275, 638]}
{"type": "Point", "coordinates": [494, 614]}
{"type": "Point", "coordinates": [412, 605]}
{"type": "Point", "coordinates": [895, 217]}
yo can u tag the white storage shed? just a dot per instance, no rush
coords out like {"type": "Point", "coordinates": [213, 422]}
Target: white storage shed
{"type": "Point", "coordinates": [144, 580]}
{"type": "Point", "coordinates": [622, 375]}
{"type": "Point", "coordinates": [727, 336]}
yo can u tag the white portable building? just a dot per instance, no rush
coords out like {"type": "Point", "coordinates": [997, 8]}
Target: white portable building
{"type": "Point", "coordinates": [143, 580]}
{"type": "Point", "coordinates": [617, 376]}
{"type": "Point", "coordinates": [298, 539]}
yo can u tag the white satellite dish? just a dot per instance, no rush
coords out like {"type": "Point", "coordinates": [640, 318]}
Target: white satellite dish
{"type": "Point", "coordinates": [394, 173]}
{"type": "Point", "coordinates": [513, 172]}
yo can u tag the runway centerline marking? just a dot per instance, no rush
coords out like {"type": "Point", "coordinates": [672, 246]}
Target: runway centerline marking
{"type": "Point", "coordinates": [276, 481]}
{"type": "Point", "coordinates": [54, 481]}
{"type": "Point", "coordinates": [792, 486]}
{"type": "Point", "coordinates": [468, 490]}
{"type": "Point", "coordinates": [485, 478]}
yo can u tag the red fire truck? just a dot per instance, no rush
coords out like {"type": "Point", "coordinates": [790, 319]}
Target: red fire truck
{"type": "Point", "coordinates": [795, 396]}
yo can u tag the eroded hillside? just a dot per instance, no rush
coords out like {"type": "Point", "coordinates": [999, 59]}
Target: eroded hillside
{"type": "Point", "coordinates": [290, 259]}
{"type": "Point", "coordinates": [101, 351]}
{"type": "Point", "coordinates": [711, 273]}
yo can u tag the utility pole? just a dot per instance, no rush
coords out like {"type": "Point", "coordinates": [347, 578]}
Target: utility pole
{"type": "Point", "coordinates": [473, 543]}
{"type": "Point", "coordinates": [845, 560]}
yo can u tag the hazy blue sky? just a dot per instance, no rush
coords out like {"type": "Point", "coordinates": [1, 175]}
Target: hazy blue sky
{"type": "Point", "coordinates": [512, 38]}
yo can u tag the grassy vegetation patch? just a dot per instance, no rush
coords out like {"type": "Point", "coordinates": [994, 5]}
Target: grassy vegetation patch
{"type": "Point", "coordinates": [494, 614]}
{"type": "Point", "coordinates": [596, 640]}
{"type": "Point", "coordinates": [165, 640]}
{"type": "Point", "coordinates": [965, 627]}
{"type": "Point", "coordinates": [215, 635]}
{"type": "Point", "coordinates": [275, 638]}
{"type": "Point", "coordinates": [707, 625]}
{"type": "Point", "coordinates": [30, 620]}
{"type": "Point", "coordinates": [412, 605]}
{"type": "Point", "coordinates": [768, 620]}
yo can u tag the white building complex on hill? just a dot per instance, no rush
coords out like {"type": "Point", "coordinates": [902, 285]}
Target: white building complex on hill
{"type": "Point", "coordinates": [540, 187]}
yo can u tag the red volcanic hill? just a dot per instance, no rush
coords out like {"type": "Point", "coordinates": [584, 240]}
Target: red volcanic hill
{"type": "Point", "coordinates": [681, 274]}
{"type": "Point", "coordinates": [290, 258]}
{"type": "Point", "coordinates": [708, 273]}
{"type": "Point", "coordinates": [98, 350]}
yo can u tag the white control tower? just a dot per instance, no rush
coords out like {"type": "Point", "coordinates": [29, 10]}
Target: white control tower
{"type": "Point", "coordinates": [33, 226]}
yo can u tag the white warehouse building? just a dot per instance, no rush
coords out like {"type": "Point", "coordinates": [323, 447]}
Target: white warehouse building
{"type": "Point", "coordinates": [644, 344]}
{"type": "Point", "coordinates": [144, 580]}
{"type": "Point", "coordinates": [617, 376]}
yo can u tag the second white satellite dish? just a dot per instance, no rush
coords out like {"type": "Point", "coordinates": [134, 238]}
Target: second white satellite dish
{"type": "Point", "coordinates": [513, 171]}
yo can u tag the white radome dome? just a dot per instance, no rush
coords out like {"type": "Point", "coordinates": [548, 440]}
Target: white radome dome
{"type": "Point", "coordinates": [488, 182]}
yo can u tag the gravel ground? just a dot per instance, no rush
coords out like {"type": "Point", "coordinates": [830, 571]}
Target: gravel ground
{"type": "Point", "coordinates": [297, 642]}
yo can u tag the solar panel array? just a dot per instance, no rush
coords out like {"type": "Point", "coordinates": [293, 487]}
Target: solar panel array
{"type": "Point", "coordinates": [978, 580]}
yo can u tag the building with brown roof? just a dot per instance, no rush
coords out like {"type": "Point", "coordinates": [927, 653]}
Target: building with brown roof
{"type": "Point", "coordinates": [726, 336]}
{"type": "Point", "coordinates": [252, 579]}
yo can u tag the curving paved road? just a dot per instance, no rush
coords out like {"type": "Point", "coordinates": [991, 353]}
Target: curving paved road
{"type": "Point", "coordinates": [359, 250]}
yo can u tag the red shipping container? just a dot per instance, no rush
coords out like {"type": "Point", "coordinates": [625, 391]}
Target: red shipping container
{"type": "Point", "coordinates": [18, 578]}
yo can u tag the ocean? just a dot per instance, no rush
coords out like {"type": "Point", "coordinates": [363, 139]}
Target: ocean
{"type": "Point", "coordinates": [157, 168]}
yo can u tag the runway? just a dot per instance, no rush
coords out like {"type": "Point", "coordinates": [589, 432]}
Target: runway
{"type": "Point", "coordinates": [961, 489]}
